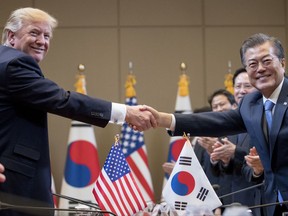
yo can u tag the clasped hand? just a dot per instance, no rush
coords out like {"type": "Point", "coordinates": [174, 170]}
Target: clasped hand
{"type": "Point", "coordinates": [141, 117]}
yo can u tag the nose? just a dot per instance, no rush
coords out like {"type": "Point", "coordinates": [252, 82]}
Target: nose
{"type": "Point", "coordinates": [260, 66]}
{"type": "Point", "coordinates": [243, 90]}
{"type": "Point", "coordinates": [40, 39]}
{"type": "Point", "coordinates": [218, 109]}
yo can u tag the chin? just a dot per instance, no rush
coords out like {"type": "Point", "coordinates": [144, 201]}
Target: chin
{"type": "Point", "coordinates": [37, 58]}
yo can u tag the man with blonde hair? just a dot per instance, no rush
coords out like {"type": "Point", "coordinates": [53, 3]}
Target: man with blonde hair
{"type": "Point", "coordinates": [25, 98]}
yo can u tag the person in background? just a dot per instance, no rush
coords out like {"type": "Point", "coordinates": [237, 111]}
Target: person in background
{"type": "Point", "coordinates": [263, 56]}
{"type": "Point", "coordinates": [235, 148]}
{"type": "Point", "coordinates": [198, 149]}
{"type": "Point", "coordinates": [221, 100]}
{"type": "Point", "coordinates": [26, 97]}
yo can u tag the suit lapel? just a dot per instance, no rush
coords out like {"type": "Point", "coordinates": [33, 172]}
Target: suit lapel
{"type": "Point", "coordinates": [279, 112]}
{"type": "Point", "coordinates": [257, 119]}
{"type": "Point", "coordinates": [241, 139]}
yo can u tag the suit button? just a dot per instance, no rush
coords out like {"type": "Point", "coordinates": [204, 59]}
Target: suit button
{"type": "Point", "coordinates": [96, 114]}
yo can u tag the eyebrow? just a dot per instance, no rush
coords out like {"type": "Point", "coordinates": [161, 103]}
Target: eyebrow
{"type": "Point", "coordinates": [260, 58]}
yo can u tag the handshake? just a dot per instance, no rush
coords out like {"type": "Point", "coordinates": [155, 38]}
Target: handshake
{"type": "Point", "coordinates": [143, 117]}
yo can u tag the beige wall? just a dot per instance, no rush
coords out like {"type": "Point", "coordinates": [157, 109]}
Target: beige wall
{"type": "Point", "coordinates": [156, 35]}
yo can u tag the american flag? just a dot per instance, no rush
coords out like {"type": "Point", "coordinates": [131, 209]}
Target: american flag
{"type": "Point", "coordinates": [115, 189]}
{"type": "Point", "coordinates": [134, 149]}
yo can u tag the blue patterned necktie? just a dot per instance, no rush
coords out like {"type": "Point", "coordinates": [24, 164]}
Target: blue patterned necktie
{"type": "Point", "coordinates": [268, 111]}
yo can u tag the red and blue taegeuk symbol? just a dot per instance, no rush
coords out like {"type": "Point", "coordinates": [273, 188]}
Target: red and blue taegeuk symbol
{"type": "Point", "coordinates": [183, 183]}
{"type": "Point", "coordinates": [175, 149]}
{"type": "Point", "coordinates": [82, 165]}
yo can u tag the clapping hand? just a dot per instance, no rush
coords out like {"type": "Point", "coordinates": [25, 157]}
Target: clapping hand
{"type": "Point", "coordinates": [2, 176]}
{"type": "Point", "coordinates": [253, 160]}
{"type": "Point", "coordinates": [223, 150]}
{"type": "Point", "coordinates": [207, 143]}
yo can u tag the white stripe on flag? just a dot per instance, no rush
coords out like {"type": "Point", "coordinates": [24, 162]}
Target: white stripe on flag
{"type": "Point", "coordinates": [106, 187]}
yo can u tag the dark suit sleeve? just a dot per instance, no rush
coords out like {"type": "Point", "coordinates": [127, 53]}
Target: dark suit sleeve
{"type": "Point", "coordinates": [235, 165]}
{"type": "Point", "coordinates": [248, 174]}
{"type": "Point", "coordinates": [27, 86]}
{"type": "Point", "coordinates": [213, 124]}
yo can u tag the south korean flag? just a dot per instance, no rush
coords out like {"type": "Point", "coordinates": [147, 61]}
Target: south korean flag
{"type": "Point", "coordinates": [188, 184]}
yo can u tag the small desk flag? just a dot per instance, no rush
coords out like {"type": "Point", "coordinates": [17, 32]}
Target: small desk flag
{"type": "Point", "coordinates": [188, 184]}
{"type": "Point", "coordinates": [115, 189]}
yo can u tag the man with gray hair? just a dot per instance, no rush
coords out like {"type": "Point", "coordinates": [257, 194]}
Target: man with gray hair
{"type": "Point", "coordinates": [263, 114]}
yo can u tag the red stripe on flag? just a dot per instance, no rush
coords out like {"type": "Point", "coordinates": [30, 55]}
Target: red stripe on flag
{"type": "Point", "coordinates": [105, 195]}
{"type": "Point", "coordinates": [125, 193]}
{"type": "Point", "coordinates": [112, 194]}
{"type": "Point", "coordinates": [134, 194]}
{"type": "Point", "coordinates": [122, 198]}
{"type": "Point", "coordinates": [140, 177]}
{"type": "Point", "coordinates": [143, 155]}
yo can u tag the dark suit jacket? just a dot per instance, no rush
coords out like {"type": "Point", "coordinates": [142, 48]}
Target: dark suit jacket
{"type": "Point", "coordinates": [25, 98]}
{"type": "Point", "coordinates": [239, 181]}
{"type": "Point", "coordinates": [248, 118]}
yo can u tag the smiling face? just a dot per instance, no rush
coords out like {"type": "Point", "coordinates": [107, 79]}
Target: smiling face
{"type": "Point", "coordinates": [221, 103]}
{"type": "Point", "coordinates": [242, 86]}
{"type": "Point", "coordinates": [265, 69]}
{"type": "Point", "coordinates": [33, 38]}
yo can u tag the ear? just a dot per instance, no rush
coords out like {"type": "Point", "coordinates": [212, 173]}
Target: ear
{"type": "Point", "coordinates": [11, 37]}
{"type": "Point", "coordinates": [283, 62]}
{"type": "Point", "coordinates": [234, 106]}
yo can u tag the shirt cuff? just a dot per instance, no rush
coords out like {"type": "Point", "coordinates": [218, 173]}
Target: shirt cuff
{"type": "Point", "coordinates": [173, 123]}
{"type": "Point", "coordinates": [118, 113]}
{"type": "Point", "coordinates": [257, 175]}
{"type": "Point", "coordinates": [213, 162]}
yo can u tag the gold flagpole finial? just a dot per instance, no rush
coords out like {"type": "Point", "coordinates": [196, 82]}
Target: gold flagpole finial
{"type": "Point", "coordinates": [186, 136]}
{"type": "Point", "coordinates": [130, 66]}
{"type": "Point", "coordinates": [81, 68]}
{"type": "Point", "coordinates": [80, 84]}
{"type": "Point", "coordinates": [183, 84]}
{"type": "Point", "coordinates": [229, 66]}
{"type": "Point", "coordinates": [183, 67]}
{"type": "Point", "coordinates": [228, 82]}
{"type": "Point", "coordinates": [117, 138]}
{"type": "Point", "coordinates": [130, 82]}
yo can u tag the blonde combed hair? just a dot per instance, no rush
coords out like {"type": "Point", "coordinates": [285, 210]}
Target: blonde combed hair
{"type": "Point", "coordinates": [23, 15]}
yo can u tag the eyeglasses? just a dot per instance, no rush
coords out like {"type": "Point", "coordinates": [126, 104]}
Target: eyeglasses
{"type": "Point", "coordinates": [254, 65]}
{"type": "Point", "coordinates": [245, 86]}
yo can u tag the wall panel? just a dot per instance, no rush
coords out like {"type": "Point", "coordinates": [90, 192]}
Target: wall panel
{"type": "Point", "coordinates": [156, 36]}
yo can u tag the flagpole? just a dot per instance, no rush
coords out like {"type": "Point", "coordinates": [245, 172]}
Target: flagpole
{"type": "Point", "coordinates": [133, 144]}
{"type": "Point", "coordinates": [80, 173]}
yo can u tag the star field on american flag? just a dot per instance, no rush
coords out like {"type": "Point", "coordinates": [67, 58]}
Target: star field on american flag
{"type": "Point", "coordinates": [116, 166]}
{"type": "Point", "coordinates": [115, 189]}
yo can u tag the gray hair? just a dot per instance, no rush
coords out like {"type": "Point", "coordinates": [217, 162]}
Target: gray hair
{"type": "Point", "coordinates": [25, 15]}
{"type": "Point", "coordinates": [259, 39]}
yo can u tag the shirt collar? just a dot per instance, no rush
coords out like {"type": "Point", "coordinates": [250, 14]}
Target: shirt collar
{"type": "Point", "coordinates": [274, 96]}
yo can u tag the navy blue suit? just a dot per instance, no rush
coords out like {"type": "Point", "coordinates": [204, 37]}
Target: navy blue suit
{"type": "Point", "coordinates": [239, 180]}
{"type": "Point", "coordinates": [249, 118]}
{"type": "Point", "coordinates": [25, 98]}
